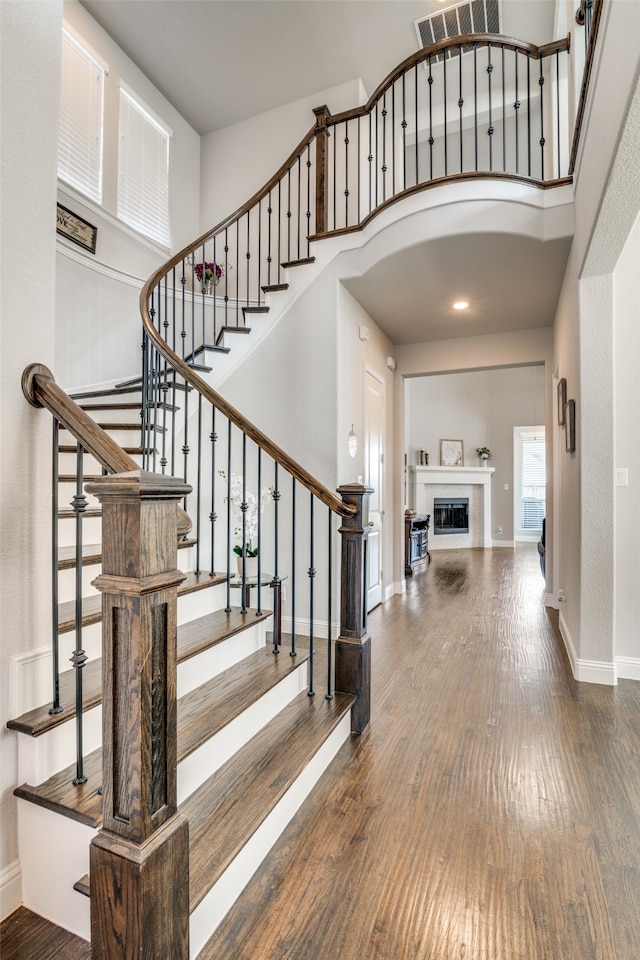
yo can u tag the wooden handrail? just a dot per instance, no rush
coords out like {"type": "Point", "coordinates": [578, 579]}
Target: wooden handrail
{"type": "Point", "coordinates": [246, 426]}
{"type": "Point", "coordinates": [41, 390]}
{"type": "Point", "coordinates": [586, 77]}
{"type": "Point", "coordinates": [469, 39]}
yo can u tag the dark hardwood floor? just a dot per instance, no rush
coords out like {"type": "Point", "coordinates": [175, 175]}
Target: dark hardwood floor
{"type": "Point", "coordinates": [492, 810]}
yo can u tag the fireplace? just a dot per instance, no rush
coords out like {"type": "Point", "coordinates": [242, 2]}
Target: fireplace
{"type": "Point", "coordinates": [450, 515]}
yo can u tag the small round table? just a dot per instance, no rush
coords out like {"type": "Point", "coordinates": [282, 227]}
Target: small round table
{"type": "Point", "coordinates": [266, 580]}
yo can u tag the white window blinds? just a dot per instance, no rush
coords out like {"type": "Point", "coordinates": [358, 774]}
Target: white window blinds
{"type": "Point", "coordinates": [143, 170]}
{"type": "Point", "coordinates": [81, 114]}
{"type": "Point", "coordinates": [532, 479]}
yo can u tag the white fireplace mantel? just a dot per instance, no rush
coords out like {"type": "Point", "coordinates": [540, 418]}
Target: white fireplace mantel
{"type": "Point", "coordinates": [458, 476]}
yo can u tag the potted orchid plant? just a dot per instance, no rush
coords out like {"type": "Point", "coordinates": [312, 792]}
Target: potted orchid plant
{"type": "Point", "coordinates": [245, 549]}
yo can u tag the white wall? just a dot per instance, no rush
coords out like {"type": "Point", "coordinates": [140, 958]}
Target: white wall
{"type": "Point", "coordinates": [480, 408]}
{"type": "Point", "coordinates": [241, 158]}
{"type": "Point", "coordinates": [97, 295]}
{"type": "Point", "coordinates": [627, 452]}
{"type": "Point", "coordinates": [30, 71]}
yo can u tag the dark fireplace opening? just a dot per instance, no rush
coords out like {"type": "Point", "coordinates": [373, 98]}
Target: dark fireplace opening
{"type": "Point", "coordinates": [450, 515]}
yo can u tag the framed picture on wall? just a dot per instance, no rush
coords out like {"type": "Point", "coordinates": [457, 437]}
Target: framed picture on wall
{"type": "Point", "coordinates": [451, 453]}
{"type": "Point", "coordinates": [562, 400]}
{"type": "Point", "coordinates": [570, 426]}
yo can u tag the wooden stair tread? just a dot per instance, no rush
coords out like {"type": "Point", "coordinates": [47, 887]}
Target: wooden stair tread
{"type": "Point", "coordinates": [246, 310]}
{"type": "Point", "coordinates": [120, 425]}
{"type": "Point", "coordinates": [207, 346]}
{"type": "Point", "coordinates": [71, 448]}
{"type": "Point", "coordinates": [205, 711]}
{"type": "Point", "coordinates": [274, 287]}
{"type": "Point", "coordinates": [92, 606]}
{"type": "Point", "coordinates": [230, 806]}
{"type": "Point", "coordinates": [193, 638]}
{"type": "Point", "coordinates": [201, 713]}
{"type": "Point", "coordinates": [298, 263]}
{"type": "Point", "coordinates": [92, 553]}
{"type": "Point", "coordinates": [131, 405]}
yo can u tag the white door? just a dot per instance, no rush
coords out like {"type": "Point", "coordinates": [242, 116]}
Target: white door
{"type": "Point", "coordinates": [374, 471]}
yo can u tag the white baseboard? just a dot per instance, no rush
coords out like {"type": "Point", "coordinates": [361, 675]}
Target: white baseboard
{"type": "Point", "coordinates": [628, 668]}
{"type": "Point", "coordinates": [400, 586]}
{"type": "Point", "coordinates": [10, 889]}
{"type": "Point", "coordinates": [29, 680]}
{"type": "Point", "coordinates": [551, 601]}
{"type": "Point", "coordinates": [319, 627]}
{"type": "Point", "coordinates": [587, 671]}
{"type": "Point", "coordinates": [389, 591]}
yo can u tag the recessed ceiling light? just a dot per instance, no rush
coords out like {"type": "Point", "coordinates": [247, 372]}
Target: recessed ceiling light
{"type": "Point", "coordinates": [460, 305]}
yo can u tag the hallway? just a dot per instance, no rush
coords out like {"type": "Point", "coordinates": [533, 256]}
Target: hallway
{"type": "Point", "coordinates": [491, 811]}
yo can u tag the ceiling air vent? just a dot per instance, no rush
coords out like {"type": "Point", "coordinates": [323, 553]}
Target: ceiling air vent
{"type": "Point", "coordinates": [472, 16]}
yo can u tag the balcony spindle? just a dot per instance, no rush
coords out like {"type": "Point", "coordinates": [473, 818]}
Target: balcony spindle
{"type": "Point", "coordinates": [55, 520]}
{"type": "Point", "coordinates": [542, 139]}
{"type": "Point", "coordinates": [460, 102]}
{"type": "Point", "coordinates": [79, 657]}
{"type": "Point", "coordinates": [430, 82]}
{"type": "Point", "coordinates": [490, 130]}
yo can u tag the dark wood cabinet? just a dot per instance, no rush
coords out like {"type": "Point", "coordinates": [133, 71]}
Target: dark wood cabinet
{"type": "Point", "coordinates": [416, 541]}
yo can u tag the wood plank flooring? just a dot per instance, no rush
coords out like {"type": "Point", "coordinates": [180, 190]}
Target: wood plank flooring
{"type": "Point", "coordinates": [492, 810]}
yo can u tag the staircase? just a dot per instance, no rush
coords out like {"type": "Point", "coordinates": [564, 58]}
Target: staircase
{"type": "Point", "coordinates": [251, 741]}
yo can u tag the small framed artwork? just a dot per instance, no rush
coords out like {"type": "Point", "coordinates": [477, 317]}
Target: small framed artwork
{"type": "Point", "coordinates": [73, 227]}
{"type": "Point", "coordinates": [451, 453]}
{"type": "Point", "coordinates": [570, 426]}
{"type": "Point", "coordinates": [562, 399]}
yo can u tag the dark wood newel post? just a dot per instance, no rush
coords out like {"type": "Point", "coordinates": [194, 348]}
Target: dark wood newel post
{"type": "Point", "coordinates": [353, 646]}
{"type": "Point", "coordinates": [140, 858]}
{"type": "Point", "coordinates": [322, 199]}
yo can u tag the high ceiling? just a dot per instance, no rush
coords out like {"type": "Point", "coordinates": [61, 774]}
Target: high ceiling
{"type": "Point", "coordinates": [222, 61]}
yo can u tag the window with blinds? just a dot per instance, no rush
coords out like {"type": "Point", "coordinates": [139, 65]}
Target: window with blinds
{"type": "Point", "coordinates": [532, 479]}
{"type": "Point", "coordinates": [81, 116]}
{"type": "Point", "coordinates": [143, 169]}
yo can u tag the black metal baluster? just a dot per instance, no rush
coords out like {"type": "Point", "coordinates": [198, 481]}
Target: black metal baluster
{"type": "Point", "coordinates": [529, 112]}
{"type": "Point", "coordinates": [79, 657]}
{"type": "Point", "coordinates": [213, 436]}
{"type": "Point", "coordinates": [516, 107]}
{"type": "Point", "coordinates": [444, 98]}
{"type": "Point", "coordinates": [504, 121]}
{"type": "Point", "coordinates": [542, 140]}
{"type": "Point", "coordinates": [260, 252]}
{"type": "Point", "coordinates": [346, 173]}
{"type": "Point", "coordinates": [384, 146]}
{"type": "Point", "coordinates": [490, 130]}
{"type": "Point", "coordinates": [199, 483]}
{"type": "Point", "coordinates": [358, 168]}
{"type": "Point", "coordinates": [370, 161]}
{"type": "Point", "coordinates": [309, 198]}
{"type": "Point", "coordinates": [403, 124]}
{"type": "Point", "coordinates": [329, 694]}
{"type": "Point", "coordinates": [55, 520]}
{"type": "Point", "coordinates": [237, 273]}
{"type": "Point", "coordinates": [311, 573]}
{"type": "Point", "coordinates": [243, 510]}
{"type": "Point", "coordinates": [228, 607]}
{"type": "Point", "coordinates": [558, 110]}
{"type": "Point", "coordinates": [377, 155]}
{"type": "Point", "coordinates": [460, 102]}
{"type": "Point", "coordinates": [276, 583]}
{"type": "Point", "coordinates": [279, 228]}
{"type": "Point", "coordinates": [269, 257]}
{"type": "Point", "coordinates": [215, 296]}
{"type": "Point", "coordinates": [393, 132]}
{"type": "Point", "coordinates": [293, 568]}
{"type": "Point", "coordinates": [430, 82]}
{"type": "Point", "coordinates": [298, 218]}
{"type": "Point", "coordinates": [475, 98]}
{"type": "Point", "coordinates": [226, 276]}
{"type": "Point", "coordinates": [185, 444]}
{"type": "Point", "coordinates": [415, 74]}
{"type": "Point", "coordinates": [335, 176]}
{"type": "Point", "coordinates": [289, 214]}
{"type": "Point", "coordinates": [248, 254]}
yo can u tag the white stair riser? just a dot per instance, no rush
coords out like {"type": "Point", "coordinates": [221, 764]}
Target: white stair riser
{"type": "Point", "coordinates": [211, 910]}
{"type": "Point", "coordinates": [54, 853]}
{"type": "Point", "coordinates": [208, 758]}
{"type": "Point", "coordinates": [193, 672]}
{"type": "Point", "coordinates": [67, 582]}
{"type": "Point", "coordinates": [40, 757]}
{"type": "Point", "coordinates": [66, 493]}
{"type": "Point", "coordinates": [91, 530]}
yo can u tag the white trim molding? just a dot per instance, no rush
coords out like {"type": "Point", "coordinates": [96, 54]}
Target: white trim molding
{"type": "Point", "coordinates": [10, 889]}
{"type": "Point", "coordinates": [587, 671]}
{"type": "Point", "coordinates": [628, 668]}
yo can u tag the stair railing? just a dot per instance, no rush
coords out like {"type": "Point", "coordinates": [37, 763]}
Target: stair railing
{"type": "Point", "coordinates": [476, 106]}
{"type": "Point", "coordinates": [41, 390]}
